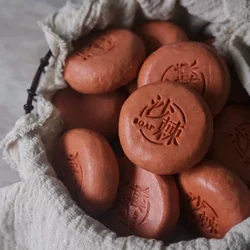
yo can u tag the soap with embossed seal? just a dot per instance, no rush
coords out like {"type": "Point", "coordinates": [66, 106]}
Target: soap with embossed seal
{"type": "Point", "coordinates": [231, 140]}
{"type": "Point", "coordinates": [146, 205]}
{"type": "Point", "coordinates": [86, 164]}
{"type": "Point", "coordinates": [165, 128]}
{"type": "Point", "coordinates": [97, 112]}
{"type": "Point", "coordinates": [213, 199]}
{"type": "Point", "coordinates": [190, 63]}
{"type": "Point", "coordinates": [104, 61]}
{"type": "Point", "coordinates": [158, 33]}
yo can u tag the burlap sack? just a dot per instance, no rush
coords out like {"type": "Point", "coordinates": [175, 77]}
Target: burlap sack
{"type": "Point", "coordinates": [38, 213]}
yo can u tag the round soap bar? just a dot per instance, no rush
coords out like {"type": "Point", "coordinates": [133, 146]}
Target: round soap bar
{"type": "Point", "coordinates": [190, 63]}
{"type": "Point", "coordinates": [146, 205]}
{"type": "Point", "coordinates": [157, 33]}
{"type": "Point", "coordinates": [86, 164]}
{"type": "Point", "coordinates": [97, 112]}
{"type": "Point", "coordinates": [213, 199]}
{"type": "Point", "coordinates": [104, 62]}
{"type": "Point", "coordinates": [165, 128]}
{"type": "Point", "coordinates": [231, 140]}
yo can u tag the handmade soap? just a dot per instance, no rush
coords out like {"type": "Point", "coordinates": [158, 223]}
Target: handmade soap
{"type": "Point", "coordinates": [105, 61]}
{"type": "Point", "coordinates": [191, 63]}
{"type": "Point", "coordinates": [231, 140]}
{"type": "Point", "coordinates": [146, 205]}
{"type": "Point", "coordinates": [157, 33]}
{"type": "Point", "coordinates": [165, 128]}
{"type": "Point", "coordinates": [86, 164]}
{"type": "Point", "coordinates": [213, 199]}
{"type": "Point", "coordinates": [97, 112]}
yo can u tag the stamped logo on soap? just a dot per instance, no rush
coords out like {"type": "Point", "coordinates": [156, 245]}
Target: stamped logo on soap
{"type": "Point", "coordinates": [161, 122]}
{"type": "Point", "coordinates": [74, 172]}
{"type": "Point", "coordinates": [204, 214]}
{"type": "Point", "coordinates": [98, 47]}
{"type": "Point", "coordinates": [132, 204]}
{"type": "Point", "coordinates": [240, 138]}
{"type": "Point", "coordinates": [187, 73]}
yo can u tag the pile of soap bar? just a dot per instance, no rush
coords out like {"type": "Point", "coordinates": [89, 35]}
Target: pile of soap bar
{"type": "Point", "coordinates": [157, 132]}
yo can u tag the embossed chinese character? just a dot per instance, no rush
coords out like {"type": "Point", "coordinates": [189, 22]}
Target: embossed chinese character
{"type": "Point", "coordinates": [75, 169]}
{"type": "Point", "coordinates": [197, 202]}
{"type": "Point", "coordinates": [208, 222]}
{"type": "Point", "coordinates": [133, 205]}
{"type": "Point", "coordinates": [187, 73]}
{"type": "Point", "coordinates": [158, 108]}
{"type": "Point", "coordinates": [139, 197]}
{"type": "Point", "coordinates": [241, 139]}
{"type": "Point", "coordinates": [204, 214]}
{"type": "Point", "coordinates": [169, 131]}
{"type": "Point", "coordinates": [169, 126]}
{"type": "Point", "coordinates": [96, 46]}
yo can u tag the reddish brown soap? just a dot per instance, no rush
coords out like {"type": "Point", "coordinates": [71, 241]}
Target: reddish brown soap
{"type": "Point", "coordinates": [97, 112]}
{"type": "Point", "coordinates": [147, 205]}
{"type": "Point", "coordinates": [86, 164]}
{"type": "Point", "coordinates": [165, 128]}
{"type": "Point", "coordinates": [105, 61]}
{"type": "Point", "coordinates": [190, 63]}
{"type": "Point", "coordinates": [231, 140]}
{"type": "Point", "coordinates": [213, 199]}
{"type": "Point", "coordinates": [157, 33]}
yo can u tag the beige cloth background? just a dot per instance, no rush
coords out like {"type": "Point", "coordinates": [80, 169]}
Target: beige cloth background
{"type": "Point", "coordinates": [22, 44]}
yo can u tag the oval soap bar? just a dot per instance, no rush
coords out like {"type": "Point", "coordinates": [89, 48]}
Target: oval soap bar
{"type": "Point", "coordinates": [147, 205]}
{"type": "Point", "coordinates": [157, 33]}
{"type": "Point", "coordinates": [86, 164]}
{"type": "Point", "coordinates": [97, 112]}
{"type": "Point", "coordinates": [105, 61]}
{"type": "Point", "coordinates": [213, 199]}
{"type": "Point", "coordinates": [191, 63]}
{"type": "Point", "coordinates": [165, 128]}
{"type": "Point", "coordinates": [231, 140]}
